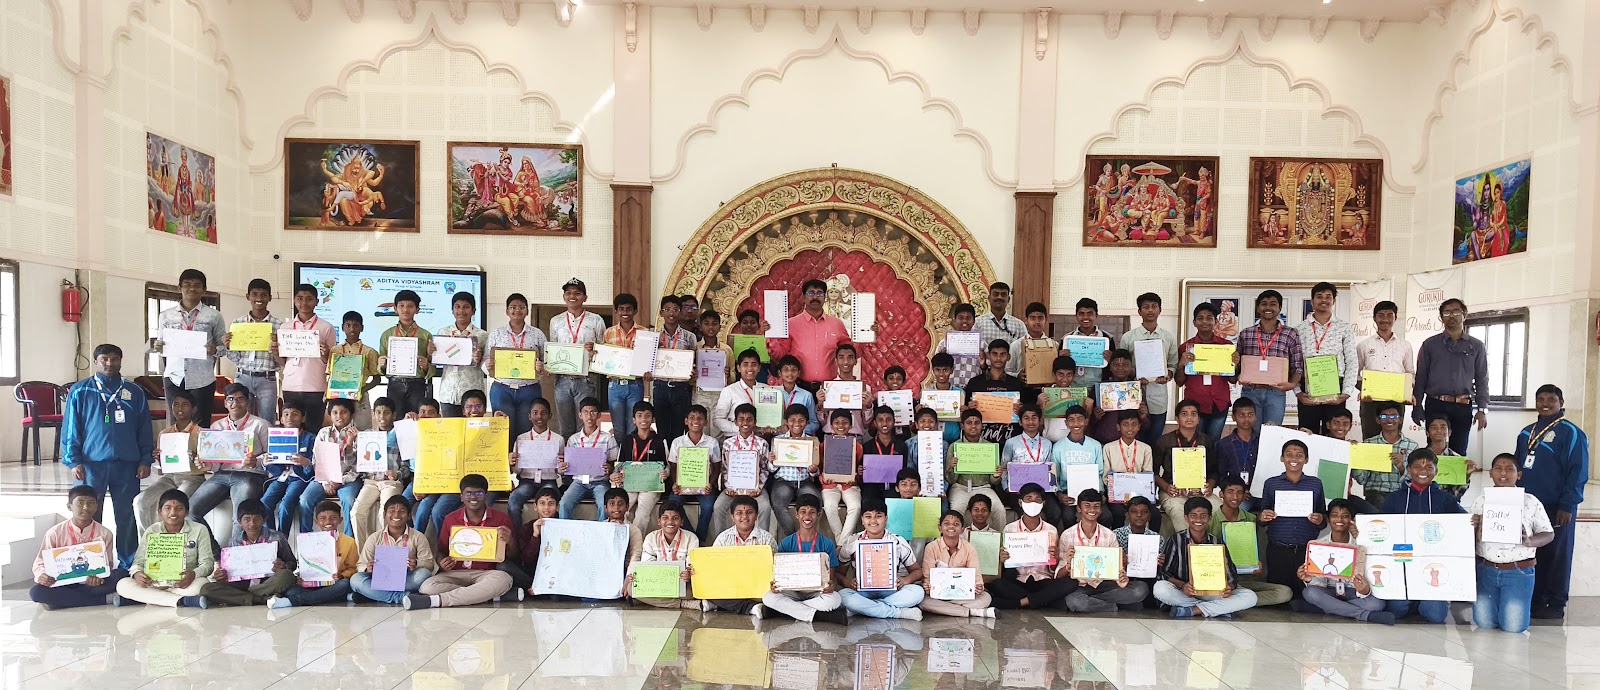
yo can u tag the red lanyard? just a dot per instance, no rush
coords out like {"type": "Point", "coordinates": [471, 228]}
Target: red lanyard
{"type": "Point", "coordinates": [229, 425]}
{"type": "Point", "coordinates": [402, 541]}
{"type": "Point", "coordinates": [309, 325]}
{"type": "Point", "coordinates": [1262, 349]}
{"type": "Point", "coordinates": [748, 394]}
{"type": "Point", "coordinates": [879, 446]}
{"type": "Point", "coordinates": [189, 321]}
{"type": "Point", "coordinates": [573, 330]}
{"type": "Point", "coordinates": [813, 545]}
{"type": "Point", "coordinates": [673, 344]}
{"type": "Point", "coordinates": [1084, 536]}
{"type": "Point", "coordinates": [583, 442]}
{"type": "Point", "coordinates": [74, 537]}
{"type": "Point", "coordinates": [518, 339]}
{"type": "Point", "coordinates": [1191, 444]}
{"type": "Point", "coordinates": [662, 540]}
{"type": "Point", "coordinates": [1319, 339]}
{"type": "Point", "coordinates": [1127, 465]}
{"type": "Point", "coordinates": [1032, 451]}
{"type": "Point", "coordinates": [638, 456]}
{"type": "Point", "coordinates": [738, 443]}
{"type": "Point", "coordinates": [792, 393]}
{"type": "Point", "coordinates": [401, 333]}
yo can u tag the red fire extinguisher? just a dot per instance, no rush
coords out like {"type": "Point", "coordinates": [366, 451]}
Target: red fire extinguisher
{"type": "Point", "coordinates": [72, 298]}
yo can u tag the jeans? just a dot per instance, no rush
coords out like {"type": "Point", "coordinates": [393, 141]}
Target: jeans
{"type": "Point", "coordinates": [1554, 577]}
{"type": "Point", "coordinates": [1152, 431]}
{"type": "Point", "coordinates": [1211, 424]}
{"type": "Point", "coordinates": [74, 596]}
{"type": "Point", "coordinates": [264, 395]}
{"type": "Point", "coordinates": [1269, 405]}
{"type": "Point", "coordinates": [432, 508]}
{"type": "Point", "coordinates": [1350, 605]}
{"type": "Point", "coordinates": [881, 604]}
{"type": "Point", "coordinates": [1105, 597]}
{"type": "Point", "coordinates": [335, 592]}
{"type": "Point", "coordinates": [1240, 600]}
{"type": "Point", "coordinates": [781, 495]}
{"type": "Point", "coordinates": [570, 392]}
{"type": "Point", "coordinates": [314, 494]}
{"type": "Point", "coordinates": [707, 503]}
{"type": "Point", "coordinates": [515, 402]}
{"type": "Point", "coordinates": [672, 400]}
{"type": "Point", "coordinates": [234, 485]}
{"type": "Point", "coordinates": [1504, 598]}
{"type": "Point", "coordinates": [621, 395]}
{"type": "Point", "coordinates": [407, 392]}
{"type": "Point", "coordinates": [574, 494]}
{"type": "Point", "coordinates": [281, 499]}
{"type": "Point", "coordinates": [204, 397]}
{"type": "Point", "coordinates": [1433, 611]}
{"type": "Point", "coordinates": [243, 593]}
{"type": "Point", "coordinates": [362, 584]}
{"type": "Point", "coordinates": [122, 480]}
{"type": "Point", "coordinates": [520, 497]}
{"type": "Point", "coordinates": [1461, 422]}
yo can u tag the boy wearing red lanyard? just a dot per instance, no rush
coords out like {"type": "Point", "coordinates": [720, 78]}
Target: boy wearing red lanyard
{"type": "Point", "coordinates": [744, 532]}
{"type": "Point", "coordinates": [590, 436]}
{"type": "Point", "coordinates": [397, 531]}
{"type": "Point", "coordinates": [464, 583]}
{"type": "Point", "coordinates": [1187, 435]}
{"type": "Point", "coordinates": [669, 544]}
{"type": "Point", "coordinates": [532, 480]}
{"type": "Point", "coordinates": [97, 590]}
{"type": "Point", "coordinates": [641, 447]}
{"type": "Point", "coordinates": [456, 379]}
{"type": "Point", "coordinates": [1324, 335]}
{"type": "Point", "coordinates": [407, 392]}
{"type": "Point", "coordinates": [348, 485]}
{"type": "Point", "coordinates": [789, 378]}
{"type": "Point", "coordinates": [512, 396]}
{"type": "Point", "coordinates": [258, 369]}
{"type": "Point", "coordinates": [623, 393]}
{"type": "Point", "coordinates": [824, 606]}
{"type": "Point", "coordinates": [251, 528]}
{"type": "Point", "coordinates": [696, 437]}
{"type": "Point", "coordinates": [1270, 337]}
{"type": "Point", "coordinates": [672, 398]}
{"type": "Point", "coordinates": [1096, 596]}
{"type": "Point", "coordinates": [740, 392]}
{"type": "Point", "coordinates": [351, 325]}
{"type": "Point", "coordinates": [305, 379]}
{"type": "Point", "coordinates": [1030, 448]}
{"type": "Point", "coordinates": [740, 446]}
{"type": "Point", "coordinates": [883, 442]}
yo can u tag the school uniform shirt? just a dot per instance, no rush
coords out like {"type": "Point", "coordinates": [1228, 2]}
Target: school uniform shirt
{"type": "Point", "coordinates": [1092, 376]}
{"type": "Point", "coordinates": [414, 331]}
{"type": "Point", "coordinates": [1430, 501]}
{"type": "Point", "coordinates": [1175, 564]}
{"type": "Point", "coordinates": [788, 474]}
{"type": "Point", "coordinates": [1534, 521]}
{"type": "Point", "coordinates": [193, 430]}
{"type": "Point", "coordinates": [262, 361]}
{"type": "Point", "coordinates": [1293, 530]}
{"type": "Point", "coordinates": [309, 374]}
{"type": "Point", "coordinates": [1023, 344]}
{"type": "Point", "coordinates": [1034, 572]}
{"type": "Point", "coordinates": [1392, 355]}
{"type": "Point", "coordinates": [1155, 395]}
{"type": "Point", "coordinates": [285, 552]}
{"type": "Point", "coordinates": [66, 534]}
{"type": "Point", "coordinates": [713, 455]}
{"type": "Point", "coordinates": [1281, 342]}
{"type": "Point", "coordinates": [758, 537]}
{"type": "Point", "coordinates": [599, 439]}
{"type": "Point", "coordinates": [635, 450]}
{"type": "Point", "coordinates": [197, 553]}
{"type": "Point", "coordinates": [965, 366]}
{"type": "Point", "coordinates": [1069, 452]}
{"type": "Point", "coordinates": [586, 327]}
{"type": "Point", "coordinates": [529, 338]}
{"type": "Point", "coordinates": [547, 435]}
{"type": "Point", "coordinates": [970, 480]}
{"type": "Point", "coordinates": [1024, 450]}
{"type": "Point", "coordinates": [1238, 456]}
{"type": "Point", "coordinates": [305, 447]}
{"type": "Point", "coordinates": [1212, 392]}
{"type": "Point", "coordinates": [658, 549]}
{"type": "Point", "coordinates": [1337, 339]}
{"type": "Point", "coordinates": [202, 317]}
{"type": "Point", "coordinates": [729, 399]}
{"type": "Point", "coordinates": [1162, 453]}
{"type": "Point", "coordinates": [491, 518]}
{"type": "Point", "coordinates": [257, 428]}
{"type": "Point", "coordinates": [347, 553]}
{"type": "Point", "coordinates": [416, 543]}
{"type": "Point", "coordinates": [90, 431]}
{"type": "Point", "coordinates": [1122, 457]}
{"type": "Point", "coordinates": [1554, 456]}
{"type": "Point", "coordinates": [369, 362]}
{"type": "Point", "coordinates": [938, 554]}
{"type": "Point", "coordinates": [457, 379]}
{"type": "Point", "coordinates": [818, 544]}
{"type": "Point", "coordinates": [904, 557]}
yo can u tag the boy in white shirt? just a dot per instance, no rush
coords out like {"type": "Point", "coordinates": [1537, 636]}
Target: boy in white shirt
{"type": "Point", "coordinates": [743, 441]}
{"type": "Point", "coordinates": [531, 480]}
{"type": "Point", "coordinates": [900, 602]}
{"type": "Point", "coordinates": [740, 392]}
{"type": "Point", "coordinates": [696, 437]}
{"type": "Point", "coordinates": [669, 544]}
{"type": "Point", "coordinates": [744, 532]}
{"type": "Point", "coordinates": [1096, 596]}
{"type": "Point", "coordinates": [590, 436]}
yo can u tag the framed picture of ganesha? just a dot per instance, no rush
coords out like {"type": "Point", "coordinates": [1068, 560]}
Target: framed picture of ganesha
{"type": "Point", "coordinates": [338, 184]}
{"type": "Point", "coordinates": [1165, 201]}
{"type": "Point", "coordinates": [516, 189]}
{"type": "Point", "coordinates": [1315, 203]}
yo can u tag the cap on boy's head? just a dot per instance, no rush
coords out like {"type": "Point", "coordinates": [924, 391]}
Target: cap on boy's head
{"type": "Point", "coordinates": [474, 481]}
{"type": "Point", "coordinates": [574, 283]}
{"type": "Point", "coordinates": [407, 296]}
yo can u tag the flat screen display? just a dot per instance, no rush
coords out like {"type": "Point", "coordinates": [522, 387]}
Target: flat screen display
{"type": "Point", "coordinates": [369, 291]}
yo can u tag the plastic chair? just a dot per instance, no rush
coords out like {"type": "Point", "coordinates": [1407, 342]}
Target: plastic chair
{"type": "Point", "coordinates": [42, 404]}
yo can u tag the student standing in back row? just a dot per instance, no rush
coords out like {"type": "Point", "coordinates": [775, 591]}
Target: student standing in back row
{"type": "Point", "coordinates": [1385, 351]}
{"type": "Point", "coordinates": [457, 379]}
{"type": "Point", "coordinates": [1324, 335]}
{"type": "Point", "coordinates": [305, 379]}
{"type": "Point", "coordinates": [258, 369]}
{"type": "Point", "coordinates": [1213, 392]}
{"type": "Point", "coordinates": [1554, 456]}
{"type": "Point", "coordinates": [198, 376]}
{"type": "Point", "coordinates": [672, 398]}
{"type": "Point", "coordinates": [407, 392]}
{"type": "Point", "coordinates": [575, 326]}
{"type": "Point", "coordinates": [1155, 389]}
{"type": "Point", "coordinates": [512, 396]}
{"type": "Point", "coordinates": [1271, 338]}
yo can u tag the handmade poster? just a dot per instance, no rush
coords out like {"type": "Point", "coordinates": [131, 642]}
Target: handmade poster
{"type": "Point", "coordinates": [1441, 578]}
{"type": "Point", "coordinates": [345, 376]}
{"type": "Point", "coordinates": [901, 402]}
{"type": "Point", "coordinates": [1502, 515]}
{"type": "Point", "coordinates": [1025, 668]}
{"type": "Point", "coordinates": [795, 452]}
{"type": "Point", "coordinates": [1240, 537]}
{"type": "Point", "coordinates": [293, 343]}
{"type": "Point", "coordinates": [1036, 365]}
{"type": "Point", "coordinates": [319, 560]}
{"type": "Point", "coordinates": [964, 343]}
{"type": "Point", "coordinates": [731, 572]}
{"type": "Point", "coordinates": [875, 565]}
{"type": "Point", "coordinates": [987, 544]}
{"type": "Point", "coordinates": [662, 580]}
{"type": "Point", "coordinates": [875, 667]}
{"type": "Point", "coordinates": [744, 470]}
{"type": "Point", "coordinates": [76, 563]}
{"type": "Point", "coordinates": [1126, 485]}
{"type": "Point", "coordinates": [1335, 478]}
{"type": "Point", "coordinates": [925, 512]}
{"type": "Point", "coordinates": [769, 407]}
{"type": "Point", "coordinates": [1322, 376]}
{"type": "Point", "coordinates": [1208, 567]}
{"type": "Point", "coordinates": [800, 572]}
{"type": "Point", "coordinates": [643, 476]}
{"type": "Point", "coordinates": [1097, 562]}
{"type": "Point", "coordinates": [1374, 457]}
{"type": "Point", "coordinates": [953, 584]}
{"type": "Point", "coordinates": [1386, 577]}
{"type": "Point", "coordinates": [1058, 400]}
{"type": "Point", "coordinates": [566, 360]}
{"type": "Point", "coordinates": [1441, 535]}
{"type": "Point", "coordinates": [1383, 385]}
{"type": "Point", "coordinates": [791, 672]}
{"type": "Point", "coordinates": [997, 408]}
{"type": "Point", "coordinates": [1269, 456]}
{"type": "Point", "coordinates": [1143, 549]}
{"type": "Point", "coordinates": [775, 310]}
{"type": "Point", "coordinates": [1189, 468]}
{"type": "Point", "coordinates": [863, 316]}
{"type": "Point", "coordinates": [1020, 474]}
{"type": "Point", "coordinates": [585, 462]}
{"type": "Point", "coordinates": [327, 460]}
{"type": "Point", "coordinates": [1080, 477]}
{"type": "Point", "coordinates": [440, 465]}
{"type": "Point", "coordinates": [976, 458]}
{"type": "Point", "coordinates": [1149, 359]}
{"type": "Point", "coordinates": [711, 369]}
{"type": "Point", "coordinates": [389, 568]}
{"type": "Point", "coordinates": [945, 404]}
{"type": "Point", "coordinates": [694, 471]}
{"type": "Point", "coordinates": [881, 469]}
{"type": "Point", "coordinates": [1212, 359]}
{"type": "Point", "coordinates": [1087, 350]}
{"type": "Point", "coordinates": [750, 342]}
{"type": "Point", "coordinates": [178, 343]}
{"type": "Point", "coordinates": [1294, 503]}
{"type": "Point", "coordinates": [175, 457]}
{"type": "Point", "coordinates": [224, 447]}
{"type": "Point", "coordinates": [930, 462]}
{"type": "Point", "coordinates": [1452, 471]}
{"type": "Point", "coordinates": [581, 558]}
{"type": "Point", "coordinates": [282, 445]}
{"type": "Point", "coordinates": [842, 395]}
{"type": "Point", "coordinates": [642, 357]}
{"type": "Point", "coordinates": [1120, 395]}
{"type": "Point", "coordinates": [612, 361]}
{"type": "Point", "coordinates": [719, 656]}
{"type": "Point", "coordinates": [405, 436]}
{"type": "Point", "coordinates": [536, 454]}
{"type": "Point", "coordinates": [452, 351]}
{"type": "Point", "coordinates": [477, 544]}
{"type": "Point", "coordinates": [250, 337]}
{"type": "Point", "coordinates": [1027, 548]}
{"type": "Point", "coordinates": [839, 459]}
{"type": "Point", "coordinates": [951, 655]}
{"type": "Point", "coordinates": [1328, 559]}
{"type": "Point", "coordinates": [1263, 370]}
{"type": "Point", "coordinates": [674, 365]}
{"type": "Point", "coordinates": [402, 357]}
{"type": "Point", "coordinates": [516, 365]}
{"type": "Point", "coordinates": [1378, 533]}
{"type": "Point", "coordinates": [484, 450]}
{"type": "Point", "coordinates": [901, 517]}
{"type": "Point", "coordinates": [249, 562]}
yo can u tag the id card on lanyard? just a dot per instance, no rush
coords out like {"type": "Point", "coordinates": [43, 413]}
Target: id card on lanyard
{"type": "Point", "coordinates": [111, 409]}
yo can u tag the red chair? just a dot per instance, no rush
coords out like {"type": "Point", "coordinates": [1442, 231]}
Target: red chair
{"type": "Point", "coordinates": [42, 405]}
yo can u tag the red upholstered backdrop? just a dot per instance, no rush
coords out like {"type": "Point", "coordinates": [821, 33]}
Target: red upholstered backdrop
{"type": "Point", "coordinates": [902, 329]}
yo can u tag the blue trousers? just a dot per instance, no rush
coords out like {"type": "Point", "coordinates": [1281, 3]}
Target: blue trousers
{"type": "Point", "coordinates": [281, 499]}
{"type": "Point", "coordinates": [1153, 429]}
{"type": "Point", "coordinates": [570, 392]}
{"type": "Point", "coordinates": [574, 495]}
{"type": "Point", "coordinates": [621, 395]}
{"type": "Point", "coordinates": [672, 400]}
{"type": "Point", "coordinates": [1504, 598]}
{"type": "Point", "coordinates": [362, 584]}
{"type": "Point", "coordinates": [314, 494]}
{"type": "Point", "coordinates": [336, 592]}
{"type": "Point", "coordinates": [515, 402]}
{"type": "Point", "coordinates": [1269, 404]}
{"type": "Point", "coordinates": [1211, 424]}
{"type": "Point", "coordinates": [431, 509]}
{"type": "Point", "coordinates": [882, 604]}
{"type": "Point", "coordinates": [708, 504]}
{"type": "Point", "coordinates": [121, 479]}
{"type": "Point", "coordinates": [1553, 579]}
{"type": "Point", "coordinates": [520, 497]}
{"type": "Point", "coordinates": [1432, 611]}
{"type": "Point", "coordinates": [74, 596]}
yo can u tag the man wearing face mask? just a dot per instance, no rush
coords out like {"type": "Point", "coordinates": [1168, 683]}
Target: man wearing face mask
{"type": "Point", "coordinates": [814, 336]}
{"type": "Point", "coordinates": [1453, 377]}
{"type": "Point", "coordinates": [1032, 585]}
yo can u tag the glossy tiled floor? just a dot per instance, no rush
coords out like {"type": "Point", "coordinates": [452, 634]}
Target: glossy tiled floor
{"type": "Point", "coordinates": [566, 646]}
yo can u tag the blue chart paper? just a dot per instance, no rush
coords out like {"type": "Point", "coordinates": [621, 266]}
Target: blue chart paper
{"type": "Point", "coordinates": [1088, 351]}
{"type": "Point", "coordinates": [901, 517]}
{"type": "Point", "coordinates": [282, 443]}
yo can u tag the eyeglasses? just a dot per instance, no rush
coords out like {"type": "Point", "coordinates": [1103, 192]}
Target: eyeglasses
{"type": "Point", "coordinates": [1452, 314]}
{"type": "Point", "coordinates": [1388, 416]}
{"type": "Point", "coordinates": [474, 493]}
{"type": "Point", "coordinates": [816, 293]}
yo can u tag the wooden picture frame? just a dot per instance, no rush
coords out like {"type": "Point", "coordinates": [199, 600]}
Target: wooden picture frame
{"type": "Point", "coordinates": [1150, 201]}
{"type": "Point", "coordinates": [520, 189]}
{"type": "Point", "coordinates": [1338, 203]}
{"type": "Point", "coordinates": [374, 199]}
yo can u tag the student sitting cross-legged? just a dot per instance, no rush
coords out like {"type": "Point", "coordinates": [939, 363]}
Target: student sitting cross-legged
{"type": "Point", "coordinates": [1353, 599]}
{"type": "Point", "coordinates": [1031, 586]}
{"type": "Point", "coordinates": [744, 532]}
{"type": "Point", "coordinates": [1140, 512]}
{"type": "Point", "coordinates": [1420, 496]}
{"type": "Point", "coordinates": [1096, 596]}
{"type": "Point", "coordinates": [250, 527]}
{"type": "Point", "coordinates": [669, 544]}
{"type": "Point", "coordinates": [378, 487]}
{"type": "Point", "coordinates": [825, 605]}
{"type": "Point", "coordinates": [900, 602]}
{"type": "Point", "coordinates": [1505, 571]}
{"type": "Point", "coordinates": [397, 531]}
{"type": "Point", "coordinates": [79, 529]}
{"type": "Point", "coordinates": [198, 558]}
{"type": "Point", "coordinates": [1174, 588]}
{"type": "Point", "coordinates": [464, 583]}
{"type": "Point", "coordinates": [950, 550]}
{"type": "Point", "coordinates": [329, 518]}
{"type": "Point", "coordinates": [1234, 493]}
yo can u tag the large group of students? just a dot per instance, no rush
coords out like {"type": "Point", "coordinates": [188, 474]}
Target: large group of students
{"type": "Point", "coordinates": [110, 447]}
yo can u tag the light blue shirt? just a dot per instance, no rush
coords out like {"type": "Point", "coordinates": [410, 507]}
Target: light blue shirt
{"type": "Point", "coordinates": [1067, 452]}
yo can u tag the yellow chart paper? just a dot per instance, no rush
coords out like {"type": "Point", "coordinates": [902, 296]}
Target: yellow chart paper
{"type": "Point", "coordinates": [1189, 468]}
{"type": "Point", "coordinates": [522, 365]}
{"type": "Point", "coordinates": [439, 462]}
{"type": "Point", "coordinates": [1383, 385]}
{"type": "Point", "coordinates": [1208, 569]}
{"type": "Point", "coordinates": [1374, 457]}
{"type": "Point", "coordinates": [250, 337]}
{"type": "Point", "coordinates": [485, 450]}
{"type": "Point", "coordinates": [731, 572]}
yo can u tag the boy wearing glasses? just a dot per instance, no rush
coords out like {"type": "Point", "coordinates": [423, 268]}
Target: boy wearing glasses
{"type": "Point", "coordinates": [246, 479]}
{"type": "Point", "coordinates": [1378, 485]}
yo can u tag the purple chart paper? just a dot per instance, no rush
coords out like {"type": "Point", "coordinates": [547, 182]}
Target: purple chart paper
{"type": "Point", "coordinates": [389, 568]}
{"type": "Point", "coordinates": [881, 468]}
{"type": "Point", "coordinates": [585, 462]}
{"type": "Point", "coordinates": [1020, 474]}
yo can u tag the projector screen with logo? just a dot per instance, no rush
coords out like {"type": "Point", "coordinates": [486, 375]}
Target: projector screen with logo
{"type": "Point", "coordinates": [369, 291]}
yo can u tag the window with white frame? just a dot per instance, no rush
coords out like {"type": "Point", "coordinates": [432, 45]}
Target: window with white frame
{"type": "Point", "coordinates": [1505, 338]}
{"type": "Point", "coordinates": [158, 298]}
{"type": "Point", "coordinates": [10, 340]}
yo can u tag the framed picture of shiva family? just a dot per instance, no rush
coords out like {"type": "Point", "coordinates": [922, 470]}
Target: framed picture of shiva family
{"type": "Point", "coordinates": [1315, 203]}
{"type": "Point", "coordinates": [1168, 201]}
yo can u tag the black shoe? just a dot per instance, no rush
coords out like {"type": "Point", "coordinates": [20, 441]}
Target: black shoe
{"type": "Point", "coordinates": [839, 615]}
{"type": "Point", "coordinates": [1303, 606]}
{"type": "Point", "coordinates": [1548, 613]}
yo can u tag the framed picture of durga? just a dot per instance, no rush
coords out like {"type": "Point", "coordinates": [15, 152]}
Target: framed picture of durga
{"type": "Point", "coordinates": [1167, 201]}
{"type": "Point", "coordinates": [516, 189]}
{"type": "Point", "coordinates": [1315, 203]}
{"type": "Point", "coordinates": [336, 184]}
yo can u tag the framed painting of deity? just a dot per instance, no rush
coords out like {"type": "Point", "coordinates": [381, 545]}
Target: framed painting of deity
{"type": "Point", "coordinates": [5, 134]}
{"type": "Point", "coordinates": [516, 189]}
{"type": "Point", "coordinates": [1157, 201]}
{"type": "Point", "coordinates": [1315, 203]}
{"type": "Point", "coordinates": [180, 189]}
{"type": "Point", "coordinates": [1491, 217]}
{"type": "Point", "coordinates": [340, 184]}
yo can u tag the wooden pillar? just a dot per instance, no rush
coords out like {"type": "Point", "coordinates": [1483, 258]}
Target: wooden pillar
{"type": "Point", "coordinates": [1030, 262]}
{"type": "Point", "coordinates": [630, 241]}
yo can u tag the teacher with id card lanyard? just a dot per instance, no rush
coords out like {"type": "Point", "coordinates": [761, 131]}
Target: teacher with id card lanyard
{"type": "Point", "coordinates": [107, 442]}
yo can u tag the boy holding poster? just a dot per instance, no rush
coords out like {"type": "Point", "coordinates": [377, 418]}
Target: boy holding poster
{"type": "Point", "coordinates": [886, 442]}
{"type": "Point", "coordinates": [1211, 391]}
{"type": "Point", "coordinates": [464, 583]}
{"type": "Point", "coordinates": [951, 551]}
{"type": "Point", "coordinates": [1155, 388]}
{"type": "Point", "coordinates": [250, 530]}
{"type": "Point", "coordinates": [1070, 455]}
{"type": "Point", "coordinates": [965, 485]}
{"type": "Point", "coordinates": [588, 437]}
{"type": "Point", "coordinates": [1506, 570]}
{"type": "Point", "coordinates": [1032, 448]}
{"type": "Point", "coordinates": [1183, 584]}
{"type": "Point", "coordinates": [787, 482]}
{"type": "Point", "coordinates": [711, 327]}
{"type": "Point", "coordinates": [1098, 595]}
{"type": "Point", "coordinates": [513, 392]}
{"type": "Point", "coordinates": [369, 374]}
{"type": "Point", "coordinates": [745, 462]}
{"type": "Point", "coordinates": [340, 434]}
{"type": "Point", "coordinates": [305, 379]}
{"type": "Point", "coordinates": [824, 605]}
{"type": "Point", "coordinates": [668, 545]}
{"type": "Point", "coordinates": [1349, 597]}
{"type": "Point", "coordinates": [696, 437]}
{"type": "Point", "coordinates": [1126, 455]}
{"type": "Point", "coordinates": [846, 491]}
{"type": "Point", "coordinates": [531, 480]}
{"type": "Point", "coordinates": [1292, 507]}
{"type": "Point", "coordinates": [456, 379]}
{"type": "Point", "coordinates": [174, 559]}
{"type": "Point", "coordinates": [316, 592]}
{"type": "Point", "coordinates": [406, 390]}
{"type": "Point", "coordinates": [740, 392]}
{"type": "Point", "coordinates": [901, 597]}
{"type": "Point", "coordinates": [1033, 585]}
{"type": "Point", "coordinates": [287, 481]}
{"type": "Point", "coordinates": [641, 447]}
{"type": "Point", "coordinates": [257, 366]}
{"type": "Point", "coordinates": [1270, 339]}
{"type": "Point", "coordinates": [236, 481]}
{"type": "Point", "coordinates": [845, 359]}
{"type": "Point", "coordinates": [994, 379]}
{"type": "Point", "coordinates": [80, 529]}
{"type": "Point", "coordinates": [1238, 528]}
{"type": "Point", "coordinates": [1175, 487]}
{"type": "Point", "coordinates": [377, 487]}
{"type": "Point", "coordinates": [180, 412]}
{"type": "Point", "coordinates": [1375, 485]}
{"type": "Point", "coordinates": [1420, 496]}
{"type": "Point", "coordinates": [376, 573]}
{"type": "Point", "coordinates": [1066, 373]}
{"type": "Point", "coordinates": [744, 532]}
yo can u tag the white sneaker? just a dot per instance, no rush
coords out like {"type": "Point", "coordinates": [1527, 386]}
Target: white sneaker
{"type": "Point", "coordinates": [911, 614]}
{"type": "Point", "coordinates": [989, 612]}
{"type": "Point", "coordinates": [757, 611]}
{"type": "Point", "coordinates": [705, 606]}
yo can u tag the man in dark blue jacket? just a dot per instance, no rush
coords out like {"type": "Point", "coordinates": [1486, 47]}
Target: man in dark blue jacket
{"type": "Point", "coordinates": [1554, 456]}
{"type": "Point", "coordinates": [107, 441]}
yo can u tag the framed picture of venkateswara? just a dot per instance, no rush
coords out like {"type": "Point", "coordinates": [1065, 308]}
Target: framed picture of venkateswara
{"type": "Point", "coordinates": [1315, 203]}
{"type": "Point", "coordinates": [340, 184]}
{"type": "Point", "coordinates": [1164, 201]}
{"type": "Point", "coordinates": [516, 189]}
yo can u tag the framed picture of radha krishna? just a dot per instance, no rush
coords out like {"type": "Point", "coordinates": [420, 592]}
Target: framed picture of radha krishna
{"type": "Point", "coordinates": [1315, 203]}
